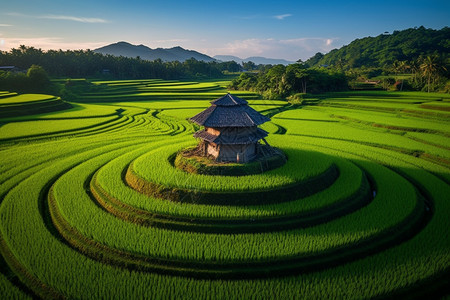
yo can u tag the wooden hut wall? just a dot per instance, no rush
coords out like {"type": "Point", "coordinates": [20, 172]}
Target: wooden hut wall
{"type": "Point", "coordinates": [213, 149]}
{"type": "Point", "coordinates": [236, 135]}
{"type": "Point", "coordinates": [230, 152]}
{"type": "Point", "coordinates": [215, 131]}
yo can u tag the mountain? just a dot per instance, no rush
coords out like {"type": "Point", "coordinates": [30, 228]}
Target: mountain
{"type": "Point", "coordinates": [256, 59]}
{"type": "Point", "coordinates": [177, 53]}
{"type": "Point", "coordinates": [228, 58]}
{"type": "Point", "coordinates": [268, 61]}
{"type": "Point", "coordinates": [181, 52]}
{"type": "Point", "coordinates": [384, 49]}
{"type": "Point", "coordinates": [170, 54]}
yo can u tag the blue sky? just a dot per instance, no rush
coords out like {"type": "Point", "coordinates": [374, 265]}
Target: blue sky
{"type": "Point", "coordinates": [277, 29]}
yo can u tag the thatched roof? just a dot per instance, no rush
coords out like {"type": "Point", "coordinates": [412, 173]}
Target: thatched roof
{"type": "Point", "coordinates": [250, 138]}
{"type": "Point", "coordinates": [229, 100]}
{"type": "Point", "coordinates": [229, 111]}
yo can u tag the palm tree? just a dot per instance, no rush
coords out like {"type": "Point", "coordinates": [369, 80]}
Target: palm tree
{"type": "Point", "coordinates": [415, 68]}
{"type": "Point", "coordinates": [23, 48]}
{"type": "Point", "coordinates": [402, 67]}
{"type": "Point", "coordinates": [431, 67]}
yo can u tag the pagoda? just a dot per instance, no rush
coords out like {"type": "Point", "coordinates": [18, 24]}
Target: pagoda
{"type": "Point", "coordinates": [231, 132]}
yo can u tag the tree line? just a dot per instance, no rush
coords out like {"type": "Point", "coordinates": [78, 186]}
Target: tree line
{"type": "Point", "coordinates": [429, 73]}
{"type": "Point", "coordinates": [281, 81]}
{"type": "Point", "coordinates": [86, 63]}
{"type": "Point", "coordinates": [35, 80]}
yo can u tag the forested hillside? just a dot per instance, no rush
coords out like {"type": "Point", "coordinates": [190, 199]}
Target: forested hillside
{"type": "Point", "coordinates": [383, 50]}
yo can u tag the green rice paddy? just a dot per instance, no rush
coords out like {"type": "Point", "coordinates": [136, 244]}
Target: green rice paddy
{"type": "Point", "coordinates": [360, 209]}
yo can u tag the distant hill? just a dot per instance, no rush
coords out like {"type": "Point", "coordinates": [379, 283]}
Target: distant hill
{"type": "Point", "coordinates": [170, 54]}
{"type": "Point", "coordinates": [228, 58]}
{"type": "Point", "coordinates": [256, 59]}
{"type": "Point", "coordinates": [384, 49]}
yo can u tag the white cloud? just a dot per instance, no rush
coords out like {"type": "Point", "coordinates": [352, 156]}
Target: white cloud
{"type": "Point", "coordinates": [46, 43]}
{"type": "Point", "coordinates": [14, 14]}
{"type": "Point", "coordinates": [259, 16]}
{"type": "Point", "coordinates": [281, 17]}
{"type": "Point", "coordinates": [290, 49]}
{"type": "Point", "coordinates": [72, 18]}
{"type": "Point", "coordinates": [61, 17]}
{"type": "Point", "coordinates": [5, 25]}
{"type": "Point", "coordinates": [311, 44]}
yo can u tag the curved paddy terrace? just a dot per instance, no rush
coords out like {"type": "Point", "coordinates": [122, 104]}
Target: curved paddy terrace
{"type": "Point", "coordinates": [93, 207]}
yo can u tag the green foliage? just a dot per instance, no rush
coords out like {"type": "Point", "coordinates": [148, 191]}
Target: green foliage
{"type": "Point", "coordinates": [246, 81]}
{"type": "Point", "coordinates": [383, 50]}
{"type": "Point", "coordinates": [85, 63]}
{"type": "Point", "coordinates": [230, 66]}
{"type": "Point", "coordinates": [313, 61]}
{"type": "Point", "coordinates": [280, 81]}
{"type": "Point", "coordinates": [35, 80]}
{"type": "Point", "coordinates": [38, 77]}
{"type": "Point", "coordinates": [432, 67]}
{"type": "Point", "coordinates": [248, 65]}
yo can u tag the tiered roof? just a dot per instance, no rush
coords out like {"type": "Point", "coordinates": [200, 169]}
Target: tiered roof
{"type": "Point", "coordinates": [249, 138]}
{"type": "Point", "coordinates": [229, 111]}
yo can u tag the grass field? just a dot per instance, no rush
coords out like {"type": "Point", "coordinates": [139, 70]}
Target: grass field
{"type": "Point", "coordinates": [91, 207]}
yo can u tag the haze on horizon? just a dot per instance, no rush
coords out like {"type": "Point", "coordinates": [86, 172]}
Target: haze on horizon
{"type": "Point", "coordinates": [289, 30]}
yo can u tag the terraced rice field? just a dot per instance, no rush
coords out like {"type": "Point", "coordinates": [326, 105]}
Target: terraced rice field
{"type": "Point", "coordinates": [92, 207]}
{"type": "Point", "coordinates": [13, 105]}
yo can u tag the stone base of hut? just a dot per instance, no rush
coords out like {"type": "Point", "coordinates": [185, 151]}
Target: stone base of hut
{"type": "Point", "coordinates": [194, 160]}
{"type": "Point", "coordinates": [236, 153]}
{"type": "Point", "coordinates": [233, 153]}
